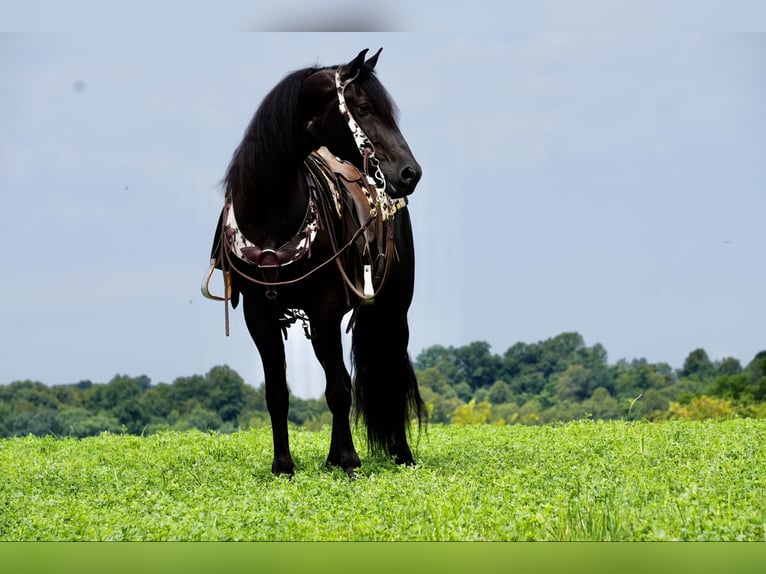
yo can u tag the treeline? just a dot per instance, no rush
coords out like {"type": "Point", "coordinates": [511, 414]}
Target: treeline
{"type": "Point", "coordinates": [558, 379]}
{"type": "Point", "coordinates": [219, 400]}
{"type": "Point", "coordinates": [562, 379]}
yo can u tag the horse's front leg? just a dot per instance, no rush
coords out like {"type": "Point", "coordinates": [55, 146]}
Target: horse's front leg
{"type": "Point", "coordinates": [329, 350]}
{"type": "Point", "coordinates": [264, 329]}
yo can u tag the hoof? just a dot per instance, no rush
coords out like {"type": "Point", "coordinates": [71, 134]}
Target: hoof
{"type": "Point", "coordinates": [348, 463]}
{"type": "Point", "coordinates": [283, 467]}
{"type": "Point", "coordinates": [403, 456]}
{"type": "Point", "coordinates": [281, 473]}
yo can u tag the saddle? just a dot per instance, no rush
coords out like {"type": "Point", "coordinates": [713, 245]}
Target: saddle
{"type": "Point", "coordinates": [352, 197]}
{"type": "Point", "coordinates": [343, 202]}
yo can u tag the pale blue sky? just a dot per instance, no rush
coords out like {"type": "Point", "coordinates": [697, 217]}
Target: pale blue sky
{"type": "Point", "coordinates": [605, 183]}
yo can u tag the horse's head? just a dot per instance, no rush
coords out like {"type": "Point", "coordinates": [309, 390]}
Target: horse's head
{"type": "Point", "coordinates": [348, 110]}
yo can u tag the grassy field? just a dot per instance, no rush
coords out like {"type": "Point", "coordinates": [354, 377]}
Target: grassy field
{"type": "Point", "coordinates": [579, 481]}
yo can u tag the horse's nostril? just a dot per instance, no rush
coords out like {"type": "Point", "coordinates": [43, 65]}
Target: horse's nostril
{"type": "Point", "coordinates": [408, 175]}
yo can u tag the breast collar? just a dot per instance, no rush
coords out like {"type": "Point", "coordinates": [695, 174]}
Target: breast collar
{"type": "Point", "coordinates": [288, 253]}
{"type": "Point", "coordinates": [340, 178]}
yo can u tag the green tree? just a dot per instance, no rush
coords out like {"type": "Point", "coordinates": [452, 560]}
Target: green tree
{"type": "Point", "coordinates": [198, 418]}
{"type": "Point", "coordinates": [432, 378]}
{"type": "Point", "coordinates": [476, 365]}
{"type": "Point", "coordinates": [602, 405]}
{"type": "Point", "coordinates": [499, 393]}
{"type": "Point", "coordinates": [33, 394]}
{"type": "Point", "coordinates": [227, 393]}
{"type": "Point", "coordinates": [513, 361]}
{"type": "Point", "coordinates": [756, 372]}
{"type": "Point", "coordinates": [463, 391]}
{"type": "Point", "coordinates": [472, 413]}
{"type": "Point", "coordinates": [559, 352]}
{"type": "Point", "coordinates": [733, 387]}
{"type": "Point", "coordinates": [528, 384]}
{"type": "Point", "coordinates": [440, 409]}
{"type": "Point", "coordinates": [506, 412]}
{"type": "Point", "coordinates": [156, 402]}
{"type": "Point", "coordinates": [594, 357]}
{"type": "Point", "coordinates": [697, 365]}
{"type": "Point", "coordinates": [432, 356]}
{"type": "Point", "coordinates": [187, 393]}
{"type": "Point", "coordinates": [639, 376]}
{"type": "Point", "coordinates": [684, 390]}
{"type": "Point", "coordinates": [302, 410]}
{"type": "Point", "coordinates": [39, 422]}
{"type": "Point", "coordinates": [573, 384]}
{"type": "Point", "coordinates": [601, 374]}
{"type": "Point", "coordinates": [67, 395]}
{"type": "Point", "coordinates": [530, 413]}
{"type": "Point", "coordinates": [120, 399]}
{"type": "Point", "coordinates": [728, 366]}
{"type": "Point", "coordinates": [5, 414]}
{"type": "Point", "coordinates": [79, 422]}
{"type": "Point", "coordinates": [562, 411]}
{"type": "Point", "coordinates": [701, 408]}
{"type": "Point", "coordinates": [651, 403]}
{"type": "Point", "coordinates": [31, 408]}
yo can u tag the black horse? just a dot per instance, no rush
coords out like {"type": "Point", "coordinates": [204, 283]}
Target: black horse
{"type": "Point", "coordinates": [316, 225]}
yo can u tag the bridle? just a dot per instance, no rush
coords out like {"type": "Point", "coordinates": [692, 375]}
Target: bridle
{"type": "Point", "coordinates": [363, 143]}
{"type": "Point", "coordinates": [269, 261]}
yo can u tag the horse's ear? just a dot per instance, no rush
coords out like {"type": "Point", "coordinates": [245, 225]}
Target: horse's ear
{"type": "Point", "coordinates": [369, 65]}
{"type": "Point", "coordinates": [356, 64]}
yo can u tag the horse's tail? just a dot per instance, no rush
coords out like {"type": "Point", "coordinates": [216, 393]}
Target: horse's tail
{"type": "Point", "coordinates": [386, 392]}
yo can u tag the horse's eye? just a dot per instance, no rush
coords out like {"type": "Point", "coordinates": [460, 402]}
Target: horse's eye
{"type": "Point", "coordinates": [365, 109]}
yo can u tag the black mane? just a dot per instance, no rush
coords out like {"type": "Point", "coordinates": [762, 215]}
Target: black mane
{"type": "Point", "coordinates": [272, 144]}
{"type": "Point", "coordinates": [271, 140]}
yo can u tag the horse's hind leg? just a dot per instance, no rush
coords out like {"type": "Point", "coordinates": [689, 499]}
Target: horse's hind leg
{"type": "Point", "coordinates": [267, 336]}
{"type": "Point", "coordinates": [386, 388]}
{"type": "Point", "coordinates": [329, 350]}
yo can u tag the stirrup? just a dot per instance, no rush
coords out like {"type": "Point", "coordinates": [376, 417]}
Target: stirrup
{"type": "Point", "coordinates": [206, 284]}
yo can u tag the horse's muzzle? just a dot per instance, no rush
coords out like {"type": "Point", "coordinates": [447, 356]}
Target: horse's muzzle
{"type": "Point", "coordinates": [409, 176]}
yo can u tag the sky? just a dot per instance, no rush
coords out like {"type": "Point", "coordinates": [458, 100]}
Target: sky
{"type": "Point", "coordinates": [609, 182]}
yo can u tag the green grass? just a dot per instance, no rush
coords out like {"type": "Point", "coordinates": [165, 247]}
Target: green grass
{"type": "Point", "coordinates": [578, 481]}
